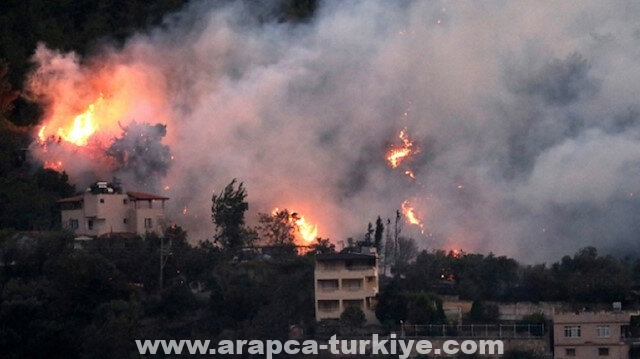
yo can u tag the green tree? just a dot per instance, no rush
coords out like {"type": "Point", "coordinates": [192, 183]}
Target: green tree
{"type": "Point", "coordinates": [482, 312]}
{"type": "Point", "coordinates": [424, 308]}
{"type": "Point", "coordinates": [227, 214]}
{"type": "Point", "coordinates": [353, 317]}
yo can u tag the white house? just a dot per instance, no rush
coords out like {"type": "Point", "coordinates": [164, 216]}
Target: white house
{"type": "Point", "coordinates": [105, 208]}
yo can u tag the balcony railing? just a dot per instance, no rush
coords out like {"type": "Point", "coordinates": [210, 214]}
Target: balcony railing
{"type": "Point", "coordinates": [498, 331]}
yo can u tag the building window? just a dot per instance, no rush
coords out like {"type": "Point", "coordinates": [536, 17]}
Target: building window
{"type": "Point", "coordinates": [330, 266]}
{"type": "Point", "coordinates": [73, 224]}
{"type": "Point", "coordinates": [570, 352]}
{"type": "Point", "coordinates": [101, 200]}
{"type": "Point", "coordinates": [328, 285]}
{"type": "Point", "coordinates": [148, 223]}
{"type": "Point", "coordinates": [90, 224]}
{"type": "Point", "coordinates": [603, 352]}
{"type": "Point", "coordinates": [572, 331]}
{"type": "Point", "coordinates": [124, 220]}
{"type": "Point", "coordinates": [125, 201]}
{"type": "Point", "coordinates": [603, 331]}
{"type": "Point", "coordinates": [352, 284]}
{"type": "Point", "coordinates": [358, 303]}
{"type": "Point", "coordinates": [328, 305]}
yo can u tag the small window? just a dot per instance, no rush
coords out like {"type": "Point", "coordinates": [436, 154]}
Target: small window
{"type": "Point", "coordinates": [101, 200]}
{"type": "Point", "coordinates": [90, 224]}
{"type": "Point", "coordinates": [572, 331]}
{"type": "Point", "coordinates": [603, 331]}
{"type": "Point", "coordinates": [148, 223]}
{"type": "Point", "coordinates": [570, 352]}
{"type": "Point", "coordinates": [124, 220]}
{"type": "Point", "coordinates": [73, 224]}
{"type": "Point", "coordinates": [603, 352]}
{"type": "Point", "coordinates": [125, 201]}
{"type": "Point", "coordinates": [358, 303]}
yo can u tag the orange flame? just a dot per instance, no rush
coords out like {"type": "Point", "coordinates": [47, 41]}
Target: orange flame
{"type": "Point", "coordinates": [53, 165]}
{"type": "Point", "coordinates": [409, 212]}
{"type": "Point", "coordinates": [397, 154]}
{"type": "Point", "coordinates": [307, 231]}
{"type": "Point", "coordinates": [80, 129]}
{"type": "Point", "coordinates": [87, 108]}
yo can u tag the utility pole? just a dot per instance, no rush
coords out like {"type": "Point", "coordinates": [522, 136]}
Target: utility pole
{"type": "Point", "coordinates": [164, 256]}
{"type": "Point", "coordinates": [397, 232]}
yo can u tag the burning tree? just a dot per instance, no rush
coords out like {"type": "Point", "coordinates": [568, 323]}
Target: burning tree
{"type": "Point", "coordinates": [279, 228]}
{"type": "Point", "coordinates": [227, 214]}
{"type": "Point", "coordinates": [139, 152]}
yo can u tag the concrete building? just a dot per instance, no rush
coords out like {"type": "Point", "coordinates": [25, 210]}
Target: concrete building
{"type": "Point", "coordinates": [346, 279]}
{"type": "Point", "coordinates": [104, 208]}
{"type": "Point", "coordinates": [592, 335]}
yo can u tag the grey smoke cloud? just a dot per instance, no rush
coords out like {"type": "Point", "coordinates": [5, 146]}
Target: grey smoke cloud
{"type": "Point", "coordinates": [525, 114]}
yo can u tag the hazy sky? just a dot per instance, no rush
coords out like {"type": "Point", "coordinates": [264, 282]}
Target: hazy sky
{"type": "Point", "coordinates": [525, 115]}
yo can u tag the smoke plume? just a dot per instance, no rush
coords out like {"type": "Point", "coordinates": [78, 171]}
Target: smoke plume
{"type": "Point", "coordinates": [525, 115]}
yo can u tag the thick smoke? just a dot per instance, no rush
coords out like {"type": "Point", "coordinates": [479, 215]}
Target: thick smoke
{"type": "Point", "coordinates": [140, 155]}
{"type": "Point", "coordinates": [525, 114]}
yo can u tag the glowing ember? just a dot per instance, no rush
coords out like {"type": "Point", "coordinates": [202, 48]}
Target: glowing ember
{"type": "Point", "coordinates": [53, 165]}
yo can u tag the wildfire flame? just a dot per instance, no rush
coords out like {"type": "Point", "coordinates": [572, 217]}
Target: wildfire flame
{"type": "Point", "coordinates": [409, 212]}
{"type": "Point", "coordinates": [308, 232]}
{"type": "Point", "coordinates": [397, 154]}
{"type": "Point", "coordinates": [79, 130]}
{"type": "Point", "coordinates": [86, 107]}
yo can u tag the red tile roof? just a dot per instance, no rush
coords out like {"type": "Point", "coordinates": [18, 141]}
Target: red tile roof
{"type": "Point", "coordinates": [144, 196]}
{"type": "Point", "coordinates": [77, 198]}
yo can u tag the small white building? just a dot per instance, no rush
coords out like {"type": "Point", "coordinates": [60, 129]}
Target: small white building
{"type": "Point", "coordinates": [104, 208]}
{"type": "Point", "coordinates": [346, 279]}
{"type": "Point", "coordinates": [593, 335]}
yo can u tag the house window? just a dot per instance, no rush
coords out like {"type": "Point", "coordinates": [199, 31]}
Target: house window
{"type": "Point", "coordinates": [328, 305]}
{"type": "Point", "coordinates": [570, 352]}
{"type": "Point", "coordinates": [603, 331]}
{"type": "Point", "coordinates": [328, 285]}
{"type": "Point", "coordinates": [148, 223]}
{"type": "Point", "coordinates": [101, 200]}
{"type": "Point", "coordinates": [603, 352]}
{"type": "Point", "coordinates": [73, 224]}
{"type": "Point", "coordinates": [352, 284]}
{"type": "Point", "coordinates": [572, 331]}
{"type": "Point", "coordinates": [124, 220]}
{"type": "Point", "coordinates": [90, 224]}
{"type": "Point", "coordinates": [358, 303]}
{"type": "Point", "coordinates": [125, 201]}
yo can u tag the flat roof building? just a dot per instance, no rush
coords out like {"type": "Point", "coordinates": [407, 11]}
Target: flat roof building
{"type": "Point", "coordinates": [105, 208]}
{"type": "Point", "coordinates": [346, 279]}
{"type": "Point", "coordinates": [592, 335]}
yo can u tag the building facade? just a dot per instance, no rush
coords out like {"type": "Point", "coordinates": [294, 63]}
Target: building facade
{"type": "Point", "coordinates": [104, 208]}
{"type": "Point", "coordinates": [346, 279]}
{"type": "Point", "coordinates": [592, 335]}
